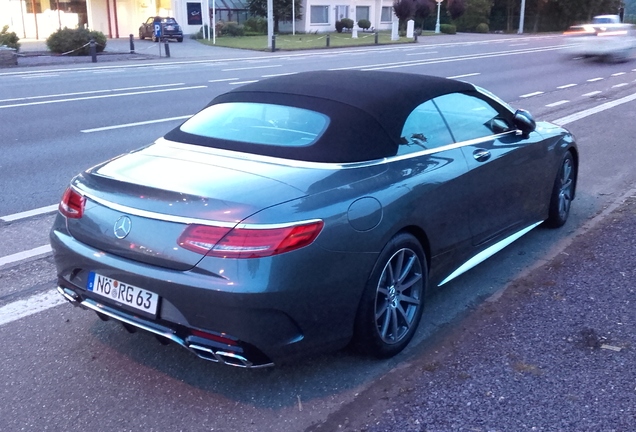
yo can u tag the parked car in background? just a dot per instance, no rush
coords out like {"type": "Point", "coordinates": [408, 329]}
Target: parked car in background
{"type": "Point", "coordinates": [605, 38]}
{"type": "Point", "coordinates": [298, 214]}
{"type": "Point", "coordinates": [170, 29]}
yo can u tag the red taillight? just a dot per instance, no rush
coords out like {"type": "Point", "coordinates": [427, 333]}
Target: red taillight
{"type": "Point", "coordinates": [248, 242]}
{"type": "Point", "coordinates": [72, 204]}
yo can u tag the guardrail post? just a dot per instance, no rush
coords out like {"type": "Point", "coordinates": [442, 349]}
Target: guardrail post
{"type": "Point", "coordinates": [376, 37]}
{"type": "Point", "coordinates": [132, 44]}
{"type": "Point", "coordinates": [327, 41]}
{"type": "Point", "coordinates": [93, 50]}
{"type": "Point", "coordinates": [167, 47]}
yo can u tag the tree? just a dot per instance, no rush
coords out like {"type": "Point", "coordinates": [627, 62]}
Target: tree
{"type": "Point", "coordinates": [477, 12]}
{"type": "Point", "coordinates": [423, 9]}
{"type": "Point", "coordinates": [456, 8]}
{"type": "Point", "coordinates": [282, 10]}
{"type": "Point", "coordinates": [404, 10]}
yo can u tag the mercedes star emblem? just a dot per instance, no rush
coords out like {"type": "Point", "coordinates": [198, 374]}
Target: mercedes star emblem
{"type": "Point", "coordinates": [122, 227]}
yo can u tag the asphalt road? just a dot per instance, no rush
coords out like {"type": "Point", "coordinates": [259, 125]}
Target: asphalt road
{"type": "Point", "coordinates": [64, 369]}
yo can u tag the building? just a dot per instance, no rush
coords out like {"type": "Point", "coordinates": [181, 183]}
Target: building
{"type": "Point", "coordinates": [37, 19]}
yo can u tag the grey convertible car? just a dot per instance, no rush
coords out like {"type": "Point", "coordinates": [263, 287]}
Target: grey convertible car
{"type": "Point", "coordinates": [303, 213]}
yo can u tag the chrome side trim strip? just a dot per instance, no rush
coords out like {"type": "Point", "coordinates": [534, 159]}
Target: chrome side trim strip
{"type": "Point", "coordinates": [323, 165]}
{"type": "Point", "coordinates": [488, 252]}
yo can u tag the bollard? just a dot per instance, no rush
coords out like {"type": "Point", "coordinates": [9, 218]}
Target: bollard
{"type": "Point", "coordinates": [376, 38]}
{"type": "Point", "coordinates": [132, 44]}
{"type": "Point", "coordinates": [167, 47]}
{"type": "Point", "coordinates": [273, 43]}
{"type": "Point", "coordinates": [327, 41]}
{"type": "Point", "coordinates": [415, 37]}
{"type": "Point", "coordinates": [93, 51]}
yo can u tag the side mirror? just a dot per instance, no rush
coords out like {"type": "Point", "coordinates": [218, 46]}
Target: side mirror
{"type": "Point", "coordinates": [525, 122]}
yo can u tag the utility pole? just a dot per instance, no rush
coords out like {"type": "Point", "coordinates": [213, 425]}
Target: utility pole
{"type": "Point", "coordinates": [522, 16]}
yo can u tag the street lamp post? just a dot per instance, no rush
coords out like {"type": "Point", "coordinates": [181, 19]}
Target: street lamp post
{"type": "Point", "coordinates": [439, 4]}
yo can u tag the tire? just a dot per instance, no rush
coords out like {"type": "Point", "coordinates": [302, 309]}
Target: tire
{"type": "Point", "coordinates": [393, 299]}
{"type": "Point", "coordinates": [141, 35]}
{"type": "Point", "coordinates": [562, 193]}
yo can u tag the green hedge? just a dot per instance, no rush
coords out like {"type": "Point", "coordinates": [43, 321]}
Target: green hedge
{"type": "Point", "coordinates": [75, 41]}
{"type": "Point", "coordinates": [482, 28]}
{"type": "Point", "coordinates": [448, 28]}
{"type": "Point", "coordinates": [9, 39]}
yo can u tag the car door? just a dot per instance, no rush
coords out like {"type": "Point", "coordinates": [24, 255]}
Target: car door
{"type": "Point", "coordinates": [502, 164]}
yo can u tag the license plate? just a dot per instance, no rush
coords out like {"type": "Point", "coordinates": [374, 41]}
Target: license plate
{"type": "Point", "coordinates": [123, 293]}
{"type": "Point", "coordinates": [169, 28]}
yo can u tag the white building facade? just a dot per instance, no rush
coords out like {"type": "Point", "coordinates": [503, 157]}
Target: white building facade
{"type": "Point", "coordinates": [37, 19]}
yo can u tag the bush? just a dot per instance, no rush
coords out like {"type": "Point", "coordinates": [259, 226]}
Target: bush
{"type": "Point", "coordinates": [9, 39]}
{"type": "Point", "coordinates": [482, 28]}
{"type": "Point", "coordinates": [230, 28]}
{"type": "Point", "coordinates": [202, 33]}
{"type": "Point", "coordinates": [447, 28]}
{"type": "Point", "coordinates": [339, 26]}
{"type": "Point", "coordinates": [347, 23]}
{"type": "Point", "coordinates": [364, 24]}
{"type": "Point", "coordinates": [75, 41]}
{"type": "Point", "coordinates": [256, 25]}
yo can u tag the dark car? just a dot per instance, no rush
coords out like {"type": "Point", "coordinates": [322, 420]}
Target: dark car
{"type": "Point", "coordinates": [302, 213]}
{"type": "Point", "coordinates": [170, 29]}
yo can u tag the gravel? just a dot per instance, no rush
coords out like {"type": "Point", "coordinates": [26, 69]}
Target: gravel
{"type": "Point", "coordinates": [556, 352]}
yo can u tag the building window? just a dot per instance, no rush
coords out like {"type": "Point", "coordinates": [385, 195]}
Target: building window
{"type": "Point", "coordinates": [362, 12]}
{"type": "Point", "coordinates": [319, 15]}
{"type": "Point", "coordinates": [387, 14]}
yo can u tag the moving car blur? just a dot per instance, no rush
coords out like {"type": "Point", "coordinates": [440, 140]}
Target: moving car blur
{"type": "Point", "coordinates": [605, 38]}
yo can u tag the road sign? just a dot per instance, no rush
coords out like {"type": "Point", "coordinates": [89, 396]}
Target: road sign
{"type": "Point", "coordinates": [158, 30]}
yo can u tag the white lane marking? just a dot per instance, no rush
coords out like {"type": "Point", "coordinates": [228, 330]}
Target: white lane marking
{"type": "Point", "coordinates": [592, 93]}
{"type": "Point", "coordinates": [101, 96]}
{"type": "Point", "coordinates": [518, 44]}
{"type": "Point", "coordinates": [40, 76]}
{"type": "Point", "coordinates": [566, 86]}
{"type": "Point", "coordinates": [422, 53]}
{"type": "Point", "coordinates": [620, 85]}
{"type": "Point", "coordinates": [259, 61]}
{"type": "Point", "coordinates": [250, 68]}
{"type": "Point", "coordinates": [619, 73]}
{"type": "Point", "coordinates": [29, 213]}
{"type": "Point", "coordinates": [527, 95]}
{"type": "Point", "coordinates": [588, 112]}
{"type": "Point", "coordinates": [595, 79]}
{"type": "Point", "coordinates": [105, 128]}
{"type": "Point", "coordinates": [166, 67]}
{"type": "Point", "coordinates": [243, 82]}
{"type": "Point", "coordinates": [20, 256]}
{"type": "Point", "coordinates": [30, 306]}
{"type": "Point", "coordinates": [561, 102]}
{"type": "Point", "coordinates": [280, 74]}
{"type": "Point", "coordinates": [464, 75]}
{"type": "Point", "coordinates": [109, 71]}
{"type": "Point", "coordinates": [90, 92]}
{"type": "Point", "coordinates": [223, 80]}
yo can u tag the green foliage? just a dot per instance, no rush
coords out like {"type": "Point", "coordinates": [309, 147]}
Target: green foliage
{"type": "Point", "coordinates": [347, 23]}
{"type": "Point", "coordinates": [256, 25]}
{"type": "Point", "coordinates": [75, 41]}
{"type": "Point", "coordinates": [202, 33]}
{"type": "Point", "coordinates": [282, 10]}
{"type": "Point", "coordinates": [9, 39]}
{"type": "Point", "coordinates": [230, 28]}
{"type": "Point", "coordinates": [482, 28]}
{"type": "Point", "coordinates": [447, 28]}
{"type": "Point", "coordinates": [364, 24]}
{"type": "Point", "coordinates": [477, 12]}
{"type": "Point", "coordinates": [404, 10]}
{"type": "Point", "coordinates": [339, 26]}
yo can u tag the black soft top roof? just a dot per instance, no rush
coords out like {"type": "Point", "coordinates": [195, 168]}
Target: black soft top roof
{"type": "Point", "coordinates": [367, 110]}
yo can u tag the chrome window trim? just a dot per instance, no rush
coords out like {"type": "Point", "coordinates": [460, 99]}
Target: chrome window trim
{"type": "Point", "coordinates": [186, 220]}
{"type": "Point", "coordinates": [327, 165]}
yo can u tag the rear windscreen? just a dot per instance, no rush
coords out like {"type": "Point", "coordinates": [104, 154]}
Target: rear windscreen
{"type": "Point", "coordinates": [258, 123]}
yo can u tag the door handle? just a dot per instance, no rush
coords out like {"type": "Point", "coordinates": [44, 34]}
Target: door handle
{"type": "Point", "coordinates": [481, 155]}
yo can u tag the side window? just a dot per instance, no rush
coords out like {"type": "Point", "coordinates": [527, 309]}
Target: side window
{"type": "Point", "coordinates": [424, 129]}
{"type": "Point", "coordinates": [470, 117]}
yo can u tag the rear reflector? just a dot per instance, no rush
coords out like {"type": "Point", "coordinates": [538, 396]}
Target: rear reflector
{"type": "Point", "coordinates": [248, 242]}
{"type": "Point", "coordinates": [72, 204]}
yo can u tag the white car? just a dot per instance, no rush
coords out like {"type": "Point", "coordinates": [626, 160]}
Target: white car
{"type": "Point", "coordinates": [605, 37]}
